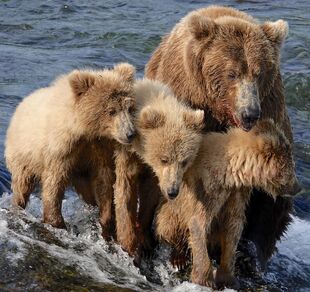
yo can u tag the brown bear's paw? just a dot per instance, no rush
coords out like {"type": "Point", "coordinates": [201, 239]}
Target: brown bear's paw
{"type": "Point", "coordinates": [226, 279]}
{"type": "Point", "coordinates": [179, 258]}
{"type": "Point", "coordinates": [56, 222]}
{"type": "Point", "coordinates": [204, 279]}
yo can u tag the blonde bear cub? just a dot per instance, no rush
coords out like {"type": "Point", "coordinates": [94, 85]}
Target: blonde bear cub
{"type": "Point", "coordinates": [199, 173]}
{"type": "Point", "coordinates": [64, 135]}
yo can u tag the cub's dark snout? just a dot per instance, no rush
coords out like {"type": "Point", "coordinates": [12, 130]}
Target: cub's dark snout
{"type": "Point", "coordinates": [130, 135]}
{"type": "Point", "coordinates": [295, 189]}
{"type": "Point", "coordinates": [173, 193]}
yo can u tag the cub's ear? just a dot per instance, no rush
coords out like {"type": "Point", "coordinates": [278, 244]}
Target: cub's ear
{"type": "Point", "coordinates": [201, 26]}
{"type": "Point", "coordinates": [151, 119]}
{"type": "Point", "coordinates": [126, 70]}
{"type": "Point", "coordinates": [194, 120]}
{"type": "Point", "coordinates": [276, 31]}
{"type": "Point", "coordinates": [80, 82]}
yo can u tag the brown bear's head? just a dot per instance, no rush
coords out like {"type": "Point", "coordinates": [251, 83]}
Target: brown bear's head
{"type": "Point", "coordinates": [171, 140]}
{"type": "Point", "coordinates": [235, 62]}
{"type": "Point", "coordinates": [105, 101]}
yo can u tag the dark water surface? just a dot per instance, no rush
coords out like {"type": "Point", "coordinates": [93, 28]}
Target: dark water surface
{"type": "Point", "coordinates": [41, 39]}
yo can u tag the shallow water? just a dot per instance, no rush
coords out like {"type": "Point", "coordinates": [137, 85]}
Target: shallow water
{"type": "Point", "coordinates": [38, 41]}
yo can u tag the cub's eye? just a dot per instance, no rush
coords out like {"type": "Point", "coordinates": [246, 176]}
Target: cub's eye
{"type": "Point", "coordinates": [184, 162]}
{"type": "Point", "coordinates": [112, 112]}
{"type": "Point", "coordinates": [131, 109]}
{"type": "Point", "coordinates": [232, 75]}
{"type": "Point", "coordinates": [164, 160]}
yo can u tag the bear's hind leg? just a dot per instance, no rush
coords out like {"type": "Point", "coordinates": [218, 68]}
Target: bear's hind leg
{"type": "Point", "coordinates": [22, 186]}
{"type": "Point", "coordinates": [83, 187]}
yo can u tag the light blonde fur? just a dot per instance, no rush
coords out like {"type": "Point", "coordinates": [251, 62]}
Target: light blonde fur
{"type": "Point", "coordinates": [133, 176]}
{"type": "Point", "coordinates": [62, 135]}
{"type": "Point", "coordinates": [225, 170]}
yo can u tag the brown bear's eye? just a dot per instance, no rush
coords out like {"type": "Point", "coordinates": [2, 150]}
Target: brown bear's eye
{"type": "Point", "coordinates": [232, 75]}
{"type": "Point", "coordinates": [183, 163]}
{"type": "Point", "coordinates": [164, 160]}
{"type": "Point", "coordinates": [112, 112]}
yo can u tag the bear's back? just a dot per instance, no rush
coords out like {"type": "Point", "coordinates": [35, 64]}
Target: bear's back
{"type": "Point", "coordinates": [36, 117]}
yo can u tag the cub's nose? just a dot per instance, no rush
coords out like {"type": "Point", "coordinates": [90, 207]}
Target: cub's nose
{"type": "Point", "coordinates": [249, 116]}
{"type": "Point", "coordinates": [130, 135]}
{"type": "Point", "coordinates": [173, 193]}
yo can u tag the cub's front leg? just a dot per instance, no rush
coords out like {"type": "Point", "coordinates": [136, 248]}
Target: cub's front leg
{"type": "Point", "coordinates": [125, 198]}
{"type": "Point", "coordinates": [230, 226]}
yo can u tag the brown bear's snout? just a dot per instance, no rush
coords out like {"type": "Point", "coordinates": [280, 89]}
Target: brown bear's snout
{"type": "Point", "coordinates": [248, 107]}
{"type": "Point", "coordinates": [249, 117]}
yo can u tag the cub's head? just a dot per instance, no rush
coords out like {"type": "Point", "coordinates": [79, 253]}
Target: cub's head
{"type": "Point", "coordinates": [171, 137]}
{"type": "Point", "coordinates": [236, 61]}
{"type": "Point", "coordinates": [104, 101]}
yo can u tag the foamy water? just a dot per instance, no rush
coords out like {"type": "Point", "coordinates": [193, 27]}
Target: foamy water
{"type": "Point", "coordinates": [91, 258]}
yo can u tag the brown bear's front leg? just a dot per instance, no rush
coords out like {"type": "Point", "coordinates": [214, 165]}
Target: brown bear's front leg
{"type": "Point", "coordinates": [53, 188]}
{"type": "Point", "coordinates": [267, 221]}
{"type": "Point", "coordinates": [125, 199]}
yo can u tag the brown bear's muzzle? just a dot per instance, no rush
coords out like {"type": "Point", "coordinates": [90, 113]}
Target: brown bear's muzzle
{"type": "Point", "coordinates": [249, 117]}
{"type": "Point", "coordinates": [248, 109]}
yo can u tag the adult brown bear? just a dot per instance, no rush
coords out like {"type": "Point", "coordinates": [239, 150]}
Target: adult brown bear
{"type": "Point", "coordinates": [223, 61]}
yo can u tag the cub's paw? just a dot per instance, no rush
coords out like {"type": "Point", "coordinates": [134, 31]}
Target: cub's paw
{"type": "Point", "coordinates": [204, 279]}
{"type": "Point", "coordinates": [56, 222]}
{"type": "Point", "coordinates": [179, 259]}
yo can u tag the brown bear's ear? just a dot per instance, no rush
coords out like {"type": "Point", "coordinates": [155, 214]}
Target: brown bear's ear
{"type": "Point", "coordinates": [276, 31]}
{"type": "Point", "coordinates": [81, 82]}
{"type": "Point", "coordinates": [201, 26]}
{"type": "Point", "coordinates": [151, 119]}
{"type": "Point", "coordinates": [126, 70]}
{"type": "Point", "coordinates": [194, 120]}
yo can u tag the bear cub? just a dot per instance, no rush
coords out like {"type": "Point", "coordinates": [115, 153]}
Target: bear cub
{"type": "Point", "coordinates": [63, 135]}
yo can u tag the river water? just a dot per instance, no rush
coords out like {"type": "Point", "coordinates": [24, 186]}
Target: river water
{"type": "Point", "coordinates": [42, 39]}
